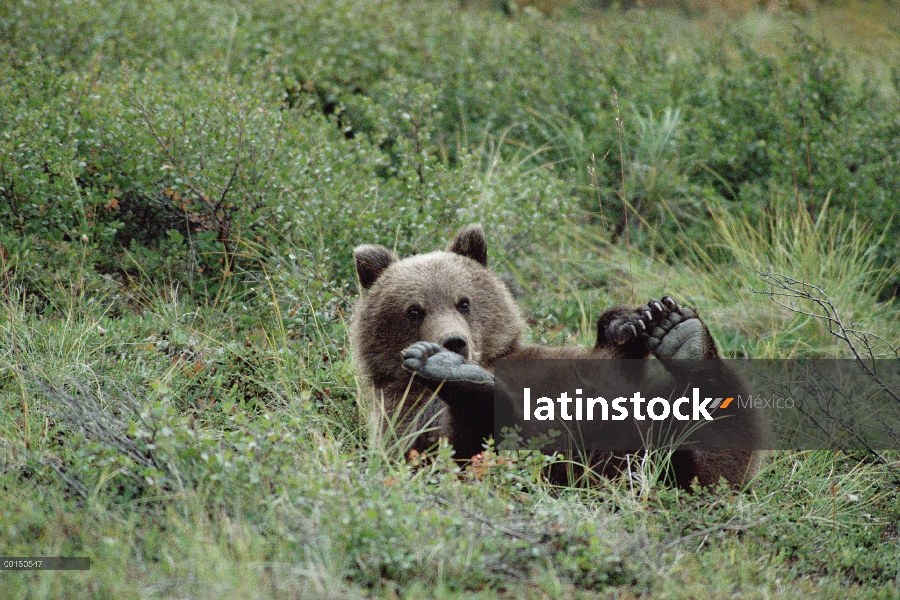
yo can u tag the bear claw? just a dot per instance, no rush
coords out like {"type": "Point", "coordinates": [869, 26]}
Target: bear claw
{"type": "Point", "coordinates": [662, 324]}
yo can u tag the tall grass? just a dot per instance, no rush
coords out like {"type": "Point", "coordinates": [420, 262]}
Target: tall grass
{"type": "Point", "coordinates": [197, 430]}
{"type": "Point", "coordinates": [717, 272]}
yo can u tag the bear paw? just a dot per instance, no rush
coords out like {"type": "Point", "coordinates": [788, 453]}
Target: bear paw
{"type": "Point", "coordinates": [434, 363]}
{"type": "Point", "coordinates": [670, 330]}
{"type": "Point", "coordinates": [678, 334]}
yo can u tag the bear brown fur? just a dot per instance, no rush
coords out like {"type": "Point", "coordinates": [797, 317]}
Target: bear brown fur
{"type": "Point", "coordinates": [449, 305]}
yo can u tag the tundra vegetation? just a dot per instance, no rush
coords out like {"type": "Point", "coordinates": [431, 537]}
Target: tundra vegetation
{"type": "Point", "coordinates": [181, 187]}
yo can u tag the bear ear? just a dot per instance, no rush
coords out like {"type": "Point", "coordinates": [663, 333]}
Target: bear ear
{"type": "Point", "coordinates": [470, 242]}
{"type": "Point", "coordinates": [370, 262]}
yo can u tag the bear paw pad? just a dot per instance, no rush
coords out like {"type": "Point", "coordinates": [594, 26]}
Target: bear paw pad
{"type": "Point", "coordinates": [435, 363]}
{"type": "Point", "coordinates": [670, 330]}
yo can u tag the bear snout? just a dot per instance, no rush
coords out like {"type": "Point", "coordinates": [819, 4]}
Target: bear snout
{"type": "Point", "coordinates": [456, 343]}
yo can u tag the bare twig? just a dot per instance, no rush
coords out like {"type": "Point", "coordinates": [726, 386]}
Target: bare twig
{"type": "Point", "coordinates": [793, 294]}
{"type": "Point", "coordinates": [718, 528]}
{"type": "Point", "coordinates": [859, 342]}
{"type": "Point", "coordinates": [102, 421]}
{"type": "Point", "coordinates": [222, 217]}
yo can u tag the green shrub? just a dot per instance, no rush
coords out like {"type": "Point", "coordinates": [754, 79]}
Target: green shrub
{"type": "Point", "coordinates": [181, 188]}
{"type": "Point", "coordinates": [720, 121]}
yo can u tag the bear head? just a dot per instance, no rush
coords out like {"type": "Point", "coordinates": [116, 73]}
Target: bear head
{"type": "Point", "coordinates": [446, 297]}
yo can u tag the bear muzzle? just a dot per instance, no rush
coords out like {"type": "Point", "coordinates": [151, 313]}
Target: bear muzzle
{"type": "Point", "coordinates": [456, 343]}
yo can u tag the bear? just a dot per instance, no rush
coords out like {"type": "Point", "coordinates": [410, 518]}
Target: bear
{"type": "Point", "coordinates": [427, 330]}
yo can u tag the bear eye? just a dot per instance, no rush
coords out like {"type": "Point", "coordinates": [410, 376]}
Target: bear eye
{"type": "Point", "coordinates": [415, 312]}
{"type": "Point", "coordinates": [463, 306]}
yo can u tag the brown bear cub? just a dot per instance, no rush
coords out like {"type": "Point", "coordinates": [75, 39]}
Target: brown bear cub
{"type": "Point", "coordinates": [438, 321]}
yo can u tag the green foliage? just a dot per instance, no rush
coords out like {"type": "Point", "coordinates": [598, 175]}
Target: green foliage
{"type": "Point", "coordinates": [125, 156]}
{"type": "Point", "coordinates": [181, 187]}
{"type": "Point", "coordinates": [797, 128]}
{"type": "Point", "coordinates": [40, 163]}
{"type": "Point", "coordinates": [192, 184]}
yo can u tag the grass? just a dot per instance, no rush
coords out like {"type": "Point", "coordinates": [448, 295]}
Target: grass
{"type": "Point", "coordinates": [177, 395]}
{"type": "Point", "coordinates": [720, 274]}
{"type": "Point", "coordinates": [263, 484]}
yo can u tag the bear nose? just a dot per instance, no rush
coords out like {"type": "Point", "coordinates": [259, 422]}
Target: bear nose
{"type": "Point", "coordinates": [455, 343]}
